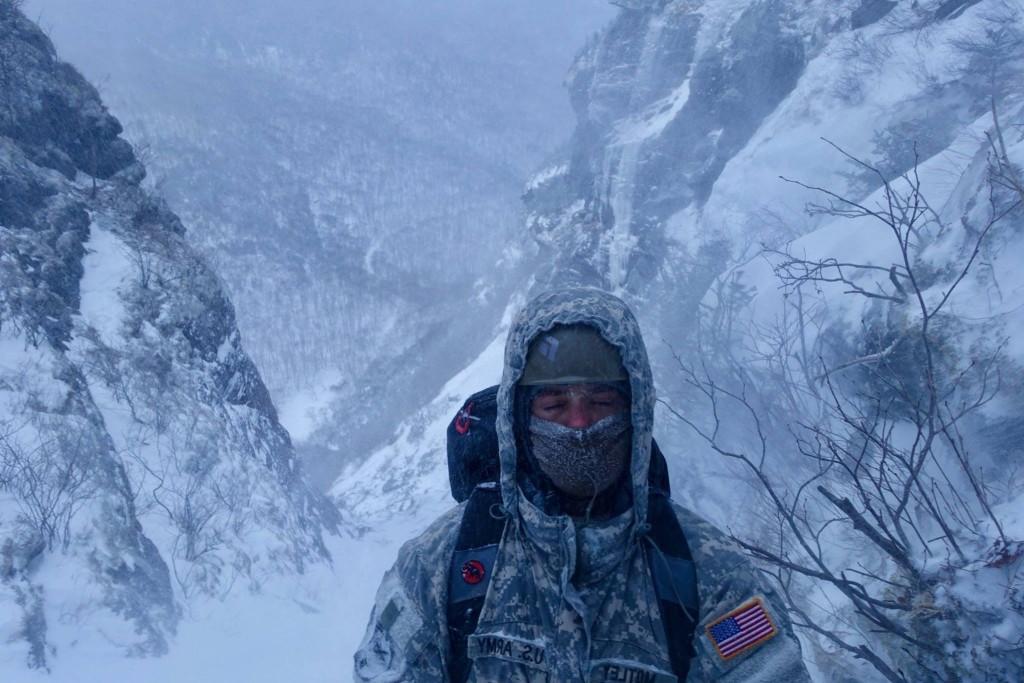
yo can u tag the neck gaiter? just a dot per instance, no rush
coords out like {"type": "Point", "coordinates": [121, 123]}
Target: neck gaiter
{"type": "Point", "coordinates": [582, 462]}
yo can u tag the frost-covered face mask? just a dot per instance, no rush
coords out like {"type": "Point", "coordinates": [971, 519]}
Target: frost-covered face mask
{"type": "Point", "coordinates": [582, 462]}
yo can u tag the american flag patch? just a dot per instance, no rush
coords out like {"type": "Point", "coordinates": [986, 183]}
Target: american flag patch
{"type": "Point", "coordinates": [745, 627]}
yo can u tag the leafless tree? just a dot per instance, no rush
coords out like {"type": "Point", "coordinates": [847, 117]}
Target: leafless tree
{"type": "Point", "coordinates": [7, 78]}
{"type": "Point", "coordinates": [886, 458]}
{"type": "Point", "coordinates": [50, 479]}
{"type": "Point", "coordinates": [173, 475]}
{"type": "Point", "coordinates": [169, 477]}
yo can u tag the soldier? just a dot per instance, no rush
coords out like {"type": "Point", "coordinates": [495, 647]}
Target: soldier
{"type": "Point", "coordinates": [591, 572]}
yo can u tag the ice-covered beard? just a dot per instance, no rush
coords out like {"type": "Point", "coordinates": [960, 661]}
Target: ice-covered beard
{"type": "Point", "coordinates": [582, 462]}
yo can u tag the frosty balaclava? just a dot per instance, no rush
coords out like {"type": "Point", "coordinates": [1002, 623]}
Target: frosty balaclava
{"type": "Point", "coordinates": [582, 463]}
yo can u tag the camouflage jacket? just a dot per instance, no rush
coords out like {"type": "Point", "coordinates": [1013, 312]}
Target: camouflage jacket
{"type": "Point", "coordinates": [570, 602]}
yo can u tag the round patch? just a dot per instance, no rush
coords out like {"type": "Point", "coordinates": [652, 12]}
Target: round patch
{"type": "Point", "coordinates": [463, 418]}
{"type": "Point", "coordinates": [473, 572]}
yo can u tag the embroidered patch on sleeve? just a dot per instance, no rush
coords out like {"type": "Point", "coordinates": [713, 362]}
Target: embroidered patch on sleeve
{"type": "Point", "coordinates": [741, 630]}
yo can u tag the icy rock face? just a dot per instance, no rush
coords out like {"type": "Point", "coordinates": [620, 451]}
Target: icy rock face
{"type": "Point", "coordinates": [688, 113]}
{"type": "Point", "coordinates": [689, 110]}
{"type": "Point", "coordinates": [141, 460]}
{"type": "Point", "coordinates": [667, 95]}
{"type": "Point", "coordinates": [351, 171]}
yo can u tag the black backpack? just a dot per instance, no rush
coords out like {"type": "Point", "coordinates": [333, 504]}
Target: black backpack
{"type": "Point", "coordinates": [473, 473]}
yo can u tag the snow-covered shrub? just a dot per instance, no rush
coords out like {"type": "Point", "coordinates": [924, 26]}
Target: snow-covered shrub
{"type": "Point", "coordinates": [879, 367]}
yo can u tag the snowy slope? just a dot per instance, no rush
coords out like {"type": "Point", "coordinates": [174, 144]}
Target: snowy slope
{"type": "Point", "coordinates": [687, 113]}
{"type": "Point", "coordinates": [408, 477]}
{"type": "Point", "coordinates": [143, 471]}
{"type": "Point", "coordinates": [976, 336]}
{"type": "Point", "coordinates": [351, 170]}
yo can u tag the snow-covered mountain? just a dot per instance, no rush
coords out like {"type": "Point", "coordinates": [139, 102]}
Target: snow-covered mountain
{"type": "Point", "coordinates": [688, 111]}
{"type": "Point", "coordinates": [692, 118]}
{"type": "Point", "coordinates": [352, 171]}
{"type": "Point", "coordinates": [142, 464]}
{"type": "Point", "coordinates": [691, 115]}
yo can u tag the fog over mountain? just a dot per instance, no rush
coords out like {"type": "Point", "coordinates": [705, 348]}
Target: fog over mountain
{"type": "Point", "coordinates": [303, 252]}
{"type": "Point", "coordinates": [809, 208]}
{"type": "Point", "coordinates": [352, 170]}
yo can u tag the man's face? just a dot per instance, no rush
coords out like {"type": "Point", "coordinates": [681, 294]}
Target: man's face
{"type": "Point", "coordinates": [577, 406]}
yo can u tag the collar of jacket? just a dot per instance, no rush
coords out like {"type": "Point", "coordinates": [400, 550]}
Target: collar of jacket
{"type": "Point", "coordinates": [584, 553]}
{"type": "Point", "coordinates": [616, 323]}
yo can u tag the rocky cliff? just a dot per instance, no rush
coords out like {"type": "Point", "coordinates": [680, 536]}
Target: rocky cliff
{"type": "Point", "coordinates": [141, 460]}
{"type": "Point", "coordinates": [688, 112]}
{"type": "Point", "coordinates": [798, 198]}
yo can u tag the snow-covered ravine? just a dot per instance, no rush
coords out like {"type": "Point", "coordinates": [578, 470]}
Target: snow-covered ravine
{"type": "Point", "coordinates": [351, 170]}
{"type": "Point", "coordinates": [114, 331]}
{"type": "Point", "coordinates": [409, 475]}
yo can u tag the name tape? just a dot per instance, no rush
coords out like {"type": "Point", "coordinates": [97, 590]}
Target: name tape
{"type": "Point", "coordinates": [529, 653]}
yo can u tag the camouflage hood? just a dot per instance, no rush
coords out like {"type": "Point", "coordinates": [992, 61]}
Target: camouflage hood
{"type": "Point", "coordinates": [566, 601]}
{"type": "Point", "coordinates": [616, 323]}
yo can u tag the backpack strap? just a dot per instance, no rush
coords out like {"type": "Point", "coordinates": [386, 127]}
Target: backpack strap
{"type": "Point", "coordinates": [472, 564]}
{"type": "Point", "coordinates": [675, 582]}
